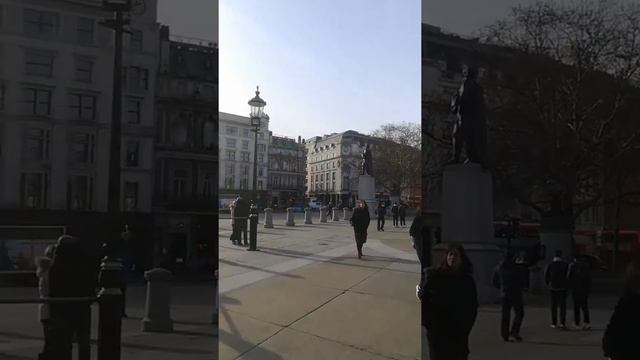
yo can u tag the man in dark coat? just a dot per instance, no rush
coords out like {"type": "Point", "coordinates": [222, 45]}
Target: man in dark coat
{"type": "Point", "coordinates": [579, 278]}
{"type": "Point", "coordinates": [555, 276]}
{"type": "Point", "coordinates": [395, 212]}
{"type": "Point", "coordinates": [471, 127]}
{"type": "Point", "coordinates": [512, 278]}
{"type": "Point", "coordinates": [330, 210]}
{"type": "Point", "coordinates": [360, 221]}
{"type": "Point", "coordinates": [242, 214]}
{"type": "Point", "coordinates": [403, 214]}
{"type": "Point", "coordinates": [381, 211]}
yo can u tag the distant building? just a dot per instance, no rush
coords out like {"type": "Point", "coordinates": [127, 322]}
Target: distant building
{"type": "Point", "coordinates": [237, 149]}
{"type": "Point", "coordinates": [286, 172]}
{"type": "Point", "coordinates": [186, 151]}
{"type": "Point", "coordinates": [55, 113]}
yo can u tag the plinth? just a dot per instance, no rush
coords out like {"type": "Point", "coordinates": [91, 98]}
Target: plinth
{"type": "Point", "coordinates": [367, 192]}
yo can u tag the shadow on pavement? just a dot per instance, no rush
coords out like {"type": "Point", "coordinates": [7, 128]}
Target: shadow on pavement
{"type": "Point", "coordinates": [234, 339]}
{"type": "Point", "coordinates": [233, 263]}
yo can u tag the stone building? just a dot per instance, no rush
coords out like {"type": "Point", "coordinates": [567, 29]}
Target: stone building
{"type": "Point", "coordinates": [237, 149]}
{"type": "Point", "coordinates": [286, 172]}
{"type": "Point", "coordinates": [186, 151]}
{"type": "Point", "coordinates": [56, 67]}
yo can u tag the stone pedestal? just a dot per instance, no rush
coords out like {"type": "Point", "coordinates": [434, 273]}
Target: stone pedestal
{"type": "Point", "coordinates": [157, 316]}
{"type": "Point", "coordinates": [268, 218]}
{"type": "Point", "coordinates": [467, 219]}
{"type": "Point", "coordinates": [307, 216]}
{"type": "Point", "coordinates": [367, 192]}
{"type": "Point", "coordinates": [290, 217]}
{"type": "Point", "coordinates": [323, 214]}
{"type": "Point", "coordinates": [335, 214]}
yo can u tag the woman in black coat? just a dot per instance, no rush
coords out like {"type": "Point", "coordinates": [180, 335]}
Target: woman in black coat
{"type": "Point", "coordinates": [621, 338]}
{"type": "Point", "coordinates": [360, 222]}
{"type": "Point", "coordinates": [449, 306]}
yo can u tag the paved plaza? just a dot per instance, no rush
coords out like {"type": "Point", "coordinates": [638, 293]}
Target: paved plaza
{"type": "Point", "coordinates": [306, 295]}
{"type": "Point", "coordinates": [193, 338]}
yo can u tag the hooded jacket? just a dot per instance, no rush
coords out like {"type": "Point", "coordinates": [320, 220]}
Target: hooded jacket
{"type": "Point", "coordinates": [43, 265]}
{"type": "Point", "coordinates": [556, 274]}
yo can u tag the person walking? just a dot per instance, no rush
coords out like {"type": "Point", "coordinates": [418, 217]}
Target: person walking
{"type": "Point", "coordinates": [621, 337]}
{"type": "Point", "coordinates": [72, 275]}
{"type": "Point", "coordinates": [43, 265]}
{"type": "Point", "coordinates": [403, 214]}
{"type": "Point", "coordinates": [555, 276]}
{"type": "Point", "coordinates": [395, 212]}
{"type": "Point", "coordinates": [512, 278]}
{"type": "Point", "coordinates": [381, 211]}
{"type": "Point", "coordinates": [235, 230]}
{"type": "Point", "coordinates": [360, 221]}
{"type": "Point", "coordinates": [579, 278]}
{"type": "Point", "coordinates": [449, 305]}
{"type": "Point", "coordinates": [330, 210]}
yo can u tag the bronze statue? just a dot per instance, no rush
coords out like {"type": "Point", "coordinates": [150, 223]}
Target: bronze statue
{"type": "Point", "coordinates": [367, 165]}
{"type": "Point", "coordinates": [471, 127]}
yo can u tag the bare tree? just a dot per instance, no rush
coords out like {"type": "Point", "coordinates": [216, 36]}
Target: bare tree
{"type": "Point", "coordinates": [397, 158]}
{"type": "Point", "coordinates": [562, 109]}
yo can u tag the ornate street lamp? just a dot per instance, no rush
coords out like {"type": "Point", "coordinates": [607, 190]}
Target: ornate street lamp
{"type": "Point", "coordinates": [257, 113]}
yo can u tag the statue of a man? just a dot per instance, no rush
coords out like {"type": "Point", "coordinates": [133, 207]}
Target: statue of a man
{"type": "Point", "coordinates": [367, 166]}
{"type": "Point", "coordinates": [471, 127]}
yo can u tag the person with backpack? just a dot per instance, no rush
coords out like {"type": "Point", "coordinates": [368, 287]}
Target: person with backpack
{"type": "Point", "coordinates": [512, 278]}
{"type": "Point", "coordinates": [395, 211]}
{"type": "Point", "coordinates": [555, 276]}
{"type": "Point", "coordinates": [579, 278]}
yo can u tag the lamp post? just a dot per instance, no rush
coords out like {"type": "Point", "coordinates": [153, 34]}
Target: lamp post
{"type": "Point", "coordinates": [257, 112]}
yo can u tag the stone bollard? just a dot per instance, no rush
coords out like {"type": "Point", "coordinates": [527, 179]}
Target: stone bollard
{"type": "Point", "coordinates": [268, 218]}
{"type": "Point", "coordinates": [345, 214]}
{"type": "Point", "coordinates": [110, 311]}
{"type": "Point", "coordinates": [158, 307]}
{"type": "Point", "coordinates": [290, 217]}
{"type": "Point", "coordinates": [335, 215]}
{"type": "Point", "coordinates": [323, 214]}
{"type": "Point", "coordinates": [307, 216]}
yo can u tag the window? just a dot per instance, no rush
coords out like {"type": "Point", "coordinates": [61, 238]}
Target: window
{"type": "Point", "coordinates": [259, 184]}
{"type": "Point", "coordinates": [33, 192]}
{"type": "Point", "coordinates": [244, 183]}
{"type": "Point", "coordinates": [262, 147]}
{"type": "Point", "coordinates": [245, 133]}
{"type": "Point", "coordinates": [37, 22]}
{"type": "Point", "coordinates": [260, 158]}
{"type": "Point", "coordinates": [260, 171]}
{"type": "Point", "coordinates": [245, 144]}
{"type": "Point", "coordinates": [245, 155]}
{"type": "Point", "coordinates": [84, 69]}
{"type": "Point", "coordinates": [231, 155]}
{"type": "Point", "coordinates": [261, 135]}
{"type": "Point", "coordinates": [207, 192]}
{"type": "Point", "coordinates": [82, 147]}
{"type": "Point", "coordinates": [133, 148]}
{"type": "Point", "coordinates": [333, 176]}
{"type": "Point", "coordinates": [38, 63]}
{"type": "Point", "coordinates": [231, 143]}
{"type": "Point", "coordinates": [130, 196]}
{"type": "Point", "coordinates": [244, 170]}
{"type": "Point", "coordinates": [133, 110]}
{"type": "Point", "coordinates": [37, 144]}
{"type": "Point", "coordinates": [135, 40]}
{"type": "Point", "coordinates": [179, 184]}
{"type": "Point", "coordinates": [37, 101]}
{"type": "Point", "coordinates": [85, 31]}
{"type": "Point", "coordinates": [137, 78]}
{"type": "Point", "coordinates": [229, 178]}
{"type": "Point", "coordinates": [80, 192]}
{"type": "Point", "coordinates": [83, 107]}
{"type": "Point", "coordinates": [231, 130]}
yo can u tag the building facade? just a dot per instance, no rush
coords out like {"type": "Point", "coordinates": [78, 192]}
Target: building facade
{"type": "Point", "coordinates": [287, 172]}
{"type": "Point", "coordinates": [237, 149]}
{"type": "Point", "coordinates": [56, 67]}
{"type": "Point", "coordinates": [186, 152]}
{"type": "Point", "coordinates": [334, 164]}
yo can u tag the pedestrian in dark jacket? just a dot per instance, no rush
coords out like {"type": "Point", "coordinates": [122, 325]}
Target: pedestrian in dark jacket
{"type": "Point", "coordinates": [381, 211]}
{"type": "Point", "coordinates": [403, 214]}
{"type": "Point", "coordinates": [579, 278]}
{"type": "Point", "coordinates": [360, 221]}
{"type": "Point", "coordinates": [555, 276]}
{"type": "Point", "coordinates": [512, 278]}
{"type": "Point", "coordinates": [395, 211]}
{"type": "Point", "coordinates": [449, 306]}
{"type": "Point", "coordinates": [242, 214]}
{"type": "Point", "coordinates": [43, 265]}
{"type": "Point", "coordinates": [72, 275]}
{"type": "Point", "coordinates": [621, 338]}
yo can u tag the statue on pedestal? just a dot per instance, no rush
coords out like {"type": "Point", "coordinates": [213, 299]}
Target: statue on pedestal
{"type": "Point", "coordinates": [470, 128]}
{"type": "Point", "coordinates": [367, 165]}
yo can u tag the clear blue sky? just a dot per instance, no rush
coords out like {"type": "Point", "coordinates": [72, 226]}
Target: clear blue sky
{"type": "Point", "coordinates": [322, 66]}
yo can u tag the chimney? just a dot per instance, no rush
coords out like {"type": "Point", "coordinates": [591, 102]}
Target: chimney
{"type": "Point", "coordinates": [299, 139]}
